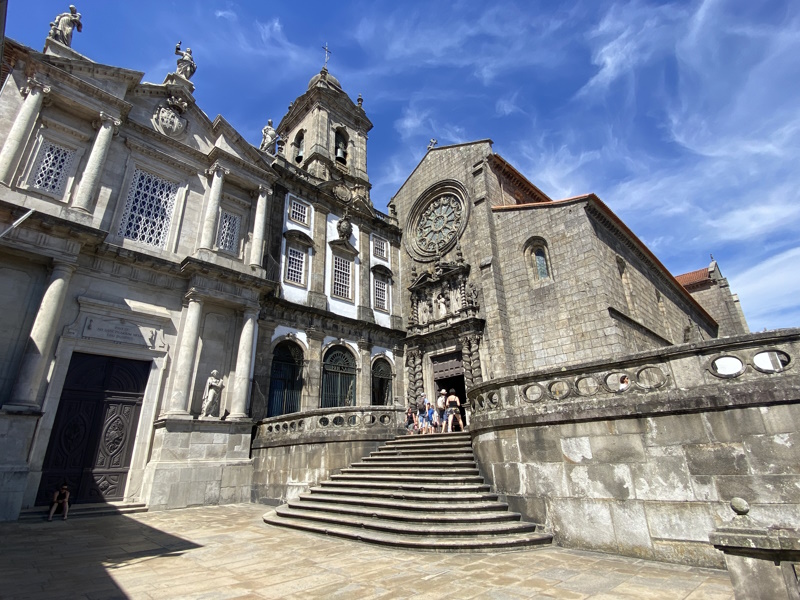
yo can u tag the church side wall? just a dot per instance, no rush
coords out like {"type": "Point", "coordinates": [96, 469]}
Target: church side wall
{"type": "Point", "coordinates": [648, 471]}
{"type": "Point", "coordinates": [718, 300]}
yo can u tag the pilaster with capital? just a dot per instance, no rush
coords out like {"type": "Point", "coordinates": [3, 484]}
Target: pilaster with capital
{"type": "Point", "coordinates": [23, 126]}
{"type": "Point", "coordinates": [106, 129]}
{"type": "Point", "coordinates": [244, 366]}
{"type": "Point", "coordinates": [33, 368]}
{"type": "Point", "coordinates": [181, 398]}
{"type": "Point", "coordinates": [312, 381]}
{"type": "Point", "coordinates": [365, 275]}
{"type": "Point", "coordinates": [364, 397]}
{"type": "Point", "coordinates": [259, 226]}
{"type": "Point", "coordinates": [316, 296]}
{"type": "Point", "coordinates": [217, 173]}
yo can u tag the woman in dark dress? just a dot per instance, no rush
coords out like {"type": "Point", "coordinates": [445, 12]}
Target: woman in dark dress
{"type": "Point", "coordinates": [60, 497]}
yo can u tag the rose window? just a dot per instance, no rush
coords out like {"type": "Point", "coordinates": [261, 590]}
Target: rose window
{"type": "Point", "coordinates": [439, 223]}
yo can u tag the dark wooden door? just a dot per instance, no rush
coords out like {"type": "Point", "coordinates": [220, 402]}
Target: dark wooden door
{"type": "Point", "coordinates": [95, 428]}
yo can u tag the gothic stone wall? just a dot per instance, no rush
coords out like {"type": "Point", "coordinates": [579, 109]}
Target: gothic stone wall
{"type": "Point", "coordinates": [718, 300]}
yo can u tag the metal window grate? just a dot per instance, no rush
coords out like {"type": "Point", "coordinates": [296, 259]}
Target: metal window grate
{"type": "Point", "coordinates": [148, 209]}
{"type": "Point", "coordinates": [381, 296]}
{"type": "Point", "coordinates": [298, 212]}
{"type": "Point", "coordinates": [228, 235]}
{"type": "Point", "coordinates": [52, 168]}
{"type": "Point", "coordinates": [295, 265]}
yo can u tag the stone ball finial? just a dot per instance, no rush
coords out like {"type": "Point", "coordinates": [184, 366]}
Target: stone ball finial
{"type": "Point", "coordinates": [740, 506]}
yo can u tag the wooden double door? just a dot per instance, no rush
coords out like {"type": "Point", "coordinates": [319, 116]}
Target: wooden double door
{"type": "Point", "coordinates": [92, 440]}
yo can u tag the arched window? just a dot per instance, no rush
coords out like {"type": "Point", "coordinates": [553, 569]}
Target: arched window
{"type": "Point", "coordinates": [341, 147]}
{"type": "Point", "coordinates": [536, 260]}
{"type": "Point", "coordinates": [338, 378]}
{"type": "Point", "coordinates": [300, 147]}
{"type": "Point", "coordinates": [286, 379]}
{"type": "Point", "coordinates": [381, 382]}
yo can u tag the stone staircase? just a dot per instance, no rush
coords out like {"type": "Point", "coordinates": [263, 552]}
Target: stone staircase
{"type": "Point", "coordinates": [77, 511]}
{"type": "Point", "coordinates": [421, 492]}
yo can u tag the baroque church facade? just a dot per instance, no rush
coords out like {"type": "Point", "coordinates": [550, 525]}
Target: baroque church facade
{"type": "Point", "coordinates": [189, 319]}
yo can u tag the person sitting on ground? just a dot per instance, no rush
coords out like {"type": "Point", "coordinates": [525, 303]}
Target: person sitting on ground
{"type": "Point", "coordinates": [453, 411]}
{"type": "Point", "coordinates": [60, 498]}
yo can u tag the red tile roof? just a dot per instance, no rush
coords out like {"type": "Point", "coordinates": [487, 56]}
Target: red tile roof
{"type": "Point", "coordinates": [693, 277]}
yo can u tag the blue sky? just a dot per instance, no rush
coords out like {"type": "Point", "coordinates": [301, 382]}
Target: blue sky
{"type": "Point", "coordinates": [683, 117]}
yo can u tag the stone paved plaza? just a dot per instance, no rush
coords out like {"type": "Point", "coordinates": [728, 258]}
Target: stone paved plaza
{"type": "Point", "coordinates": [228, 552]}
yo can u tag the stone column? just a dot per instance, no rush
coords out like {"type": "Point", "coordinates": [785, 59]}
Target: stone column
{"type": "Point", "coordinates": [33, 367]}
{"type": "Point", "coordinates": [181, 400]}
{"type": "Point", "coordinates": [209, 227]}
{"type": "Point", "coordinates": [244, 359]}
{"type": "Point", "coordinates": [107, 128]}
{"type": "Point", "coordinates": [312, 376]}
{"type": "Point", "coordinates": [365, 397]}
{"type": "Point", "coordinates": [22, 127]}
{"type": "Point", "coordinates": [259, 226]}
{"type": "Point", "coordinates": [364, 276]}
{"type": "Point", "coordinates": [316, 296]}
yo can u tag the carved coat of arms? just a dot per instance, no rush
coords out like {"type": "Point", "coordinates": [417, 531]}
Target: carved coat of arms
{"type": "Point", "coordinates": [168, 119]}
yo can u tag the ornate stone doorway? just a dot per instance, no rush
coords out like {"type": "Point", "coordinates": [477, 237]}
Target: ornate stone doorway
{"type": "Point", "coordinates": [95, 428]}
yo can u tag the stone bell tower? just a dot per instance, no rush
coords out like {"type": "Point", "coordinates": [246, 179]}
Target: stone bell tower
{"type": "Point", "coordinates": [325, 133]}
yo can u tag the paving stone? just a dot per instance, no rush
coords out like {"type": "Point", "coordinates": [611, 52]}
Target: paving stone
{"type": "Point", "coordinates": [228, 552]}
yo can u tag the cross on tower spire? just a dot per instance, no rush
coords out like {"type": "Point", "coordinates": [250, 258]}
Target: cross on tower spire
{"type": "Point", "coordinates": [327, 54]}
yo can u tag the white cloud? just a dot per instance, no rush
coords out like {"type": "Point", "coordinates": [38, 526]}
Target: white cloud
{"type": "Point", "coordinates": [225, 14]}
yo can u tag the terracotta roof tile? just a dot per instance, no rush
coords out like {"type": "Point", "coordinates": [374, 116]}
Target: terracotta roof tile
{"type": "Point", "coordinates": [693, 277]}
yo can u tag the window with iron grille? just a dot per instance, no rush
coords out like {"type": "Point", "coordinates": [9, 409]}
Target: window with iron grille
{"type": "Point", "coordinates": [381, 294]}
{"type": "Point", "coordinates": [298, 212]}
{"type": "Point", "coordinates": [341, 277]}
{"type": "Point", "coordinates": [379, 247]}
{"type": "Point", "coordinates": [295, 266]}
{"type": "Point", "coordinates": [148, 209]}
{"type": "Point", "coordinates": [338, 378]}
{"type": "Point", "coordinates": [52, 168]}
{"type": "Point", "coordinates": [228, 234]}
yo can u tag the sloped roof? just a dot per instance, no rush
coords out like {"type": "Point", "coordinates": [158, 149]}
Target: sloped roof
{"type": "Point", "coordinates": [693, 277]}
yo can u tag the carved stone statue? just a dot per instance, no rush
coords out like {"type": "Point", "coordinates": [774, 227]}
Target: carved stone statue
{"type": "Point", "coordinates": [211, 396]}
{"type": "Point", "coordinates": [268, 136]}
{"type": "Point", "coordinates": [424, 312]}
{"type": "Point", "coordinates": [62, 26]}
{"type": "Point", "coordinates": [186, 64]}
{"type": "Point", "coordinates": [441, 301]}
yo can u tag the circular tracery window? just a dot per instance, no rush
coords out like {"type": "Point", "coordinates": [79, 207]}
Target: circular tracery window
{"type": "Point", "coordinates": [437, 221]}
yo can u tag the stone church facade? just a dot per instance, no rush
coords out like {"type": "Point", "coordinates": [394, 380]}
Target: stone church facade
{"type": "Point", "coordinates": [189, 319]}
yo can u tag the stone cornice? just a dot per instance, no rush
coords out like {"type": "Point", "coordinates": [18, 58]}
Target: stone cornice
{"type": "Point", "coordinates": [257, 175]}
{"type": "Point", "coordinates": [152, 152]}
{"type": "Point", "coordinates": [163, 140]}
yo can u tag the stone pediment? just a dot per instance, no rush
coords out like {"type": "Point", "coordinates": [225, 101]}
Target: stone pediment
{"type": "Point", "coordinates": [442, 271]}
{"type": "Point", "coordinates": [343, 247]}
{"type": "Point", "coordinates": [294, 235]}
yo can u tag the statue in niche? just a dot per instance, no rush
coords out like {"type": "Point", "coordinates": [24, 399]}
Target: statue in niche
{"type": "Point", "coordinates": [424, 312]}
{"type": "Point", "coordinates": [473, 294]}
{"type": "Point", "coordinates": [62, 26]}
{"type": "Point", "coordinates": [186, 64]}
{"type": "Point", "coordinates": [455, 299]}
{"type": "Point", "coordinates": [268, 136]}
{"type": "Point", "coordinates": [211, 396]}
{"type": "Point", "coordinates": [441, 302]}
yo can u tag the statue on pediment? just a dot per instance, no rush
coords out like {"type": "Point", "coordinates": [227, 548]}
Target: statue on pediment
{"type": "Point", "coordinates": [268, 137]}
{"type": "Point", "coordinates": [62, 26]}
{"type": "Point", "coordinates": [186, 64]}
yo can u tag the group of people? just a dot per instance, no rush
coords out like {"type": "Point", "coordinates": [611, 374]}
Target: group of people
{"type": "Point", "coordinates": [427, 417]}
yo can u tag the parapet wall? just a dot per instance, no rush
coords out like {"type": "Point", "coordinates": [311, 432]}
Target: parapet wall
{"type": "Point", "coordinates": [649, 470]}
{"type": "Point", "coordinates": [294, 452]}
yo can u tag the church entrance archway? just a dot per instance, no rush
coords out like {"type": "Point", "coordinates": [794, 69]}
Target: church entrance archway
{"type": "Point", "coordinates": [286, 379]}
{"type": "Point", "coordinates": [448, 374]}
{"type": "Point", "coordinates": [94, 431]}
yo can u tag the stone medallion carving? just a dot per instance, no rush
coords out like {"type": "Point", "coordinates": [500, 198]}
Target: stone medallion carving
{"type": "Point", "coordinates": [342, 192]}
{"type": "Point", "coordinates": [168, 119]}
{"type": "Point", "coordinates": [437, 221]}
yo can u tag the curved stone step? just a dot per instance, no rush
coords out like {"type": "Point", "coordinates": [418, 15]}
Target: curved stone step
{"type": "Point", "coordinates": [426, 447]}
{"type": "Point", "coordinates": [435, 543]}
{"type": "Point", "coordinates": [464, 516]}
{"type": "Point", "coordinates": [408, 486]}
{"type": "Point", "coordinates": [450, 457]}
{"type": "Point", "coordinates": [455, 528]}
{"type": "Point", "coordinates": [411, 470]}
{"type": "Point", "coordinates": [437, 504]}
{"type": "Point", "coordinates": [408, 495]}
{"type": "Point", "coordinates": [418, 479]}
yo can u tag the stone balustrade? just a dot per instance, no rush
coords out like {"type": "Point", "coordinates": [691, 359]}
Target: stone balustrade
{"type": "Point", "coordinates": [718, 373]}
